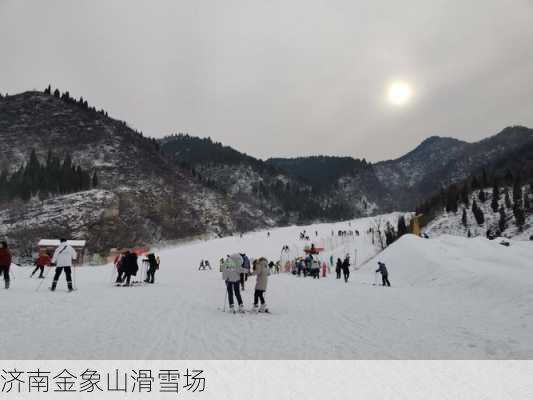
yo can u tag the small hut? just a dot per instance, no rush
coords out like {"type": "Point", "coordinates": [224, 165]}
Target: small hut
{"type": "Point", "coordinates": [50, 245]}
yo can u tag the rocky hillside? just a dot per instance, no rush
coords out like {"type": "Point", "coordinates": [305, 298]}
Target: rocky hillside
{"type": "Point", "coordinates": [290, 196]}
{"type": "Point", "coordinates": [181, 186]}
{"type": "Point", "coordinates": [143, 197]}
{"type": "Point", "coordinates": [437, 162]}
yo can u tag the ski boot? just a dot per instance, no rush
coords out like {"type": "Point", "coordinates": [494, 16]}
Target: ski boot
{"type": "Point", "coordinates": [263, 309]}
{"type": "Point", "coordinates": [241, 308]}
{"type": "Point", "coordinates": [255, 309]}
{"type": "Point", "coordinates": [7, 285]}
{"type": "Point", "coordinates": [232, 309]}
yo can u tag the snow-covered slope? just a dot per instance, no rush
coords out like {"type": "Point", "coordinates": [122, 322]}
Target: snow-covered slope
{"type": "Point", "coordinates": [451, 297]}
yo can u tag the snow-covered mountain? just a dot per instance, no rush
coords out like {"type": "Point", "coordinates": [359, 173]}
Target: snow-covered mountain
{"type": "Point", "coordinates": [144, 197]}
{"type": "Point", "coordinates": [181, 186]}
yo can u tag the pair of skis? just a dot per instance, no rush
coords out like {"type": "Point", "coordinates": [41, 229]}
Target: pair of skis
{"type": "Point", "coordinates": [252, 311]}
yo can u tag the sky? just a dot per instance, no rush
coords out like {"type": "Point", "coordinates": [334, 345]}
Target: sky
{"type": "Point", "coordinates": [281, 78]}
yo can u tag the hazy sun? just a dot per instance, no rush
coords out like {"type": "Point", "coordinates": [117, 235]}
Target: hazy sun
{"type": "Point", "coordinates": [399, 93]}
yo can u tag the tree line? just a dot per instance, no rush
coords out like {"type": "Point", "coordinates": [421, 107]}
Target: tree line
{"type": "Point", "coordinates": [54, 176]}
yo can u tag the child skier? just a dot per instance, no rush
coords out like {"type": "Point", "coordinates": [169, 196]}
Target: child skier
{"type": "Point", "coordinates": [384, 273]}
{"type": "Point", "coordinates": [261, 270]}
{"type": "Point", "coordinates": [42, 261]}
{"type": "Point", "coordinates": [231, 273]}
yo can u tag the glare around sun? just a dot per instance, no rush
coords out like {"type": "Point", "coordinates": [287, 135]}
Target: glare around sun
{"type": "Point", "coordinates": [399, 93]}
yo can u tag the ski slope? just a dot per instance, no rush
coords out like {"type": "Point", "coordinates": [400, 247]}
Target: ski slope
{"type": "Point", "coordinates": [451, 298]}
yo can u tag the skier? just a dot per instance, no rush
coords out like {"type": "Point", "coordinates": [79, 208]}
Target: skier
{"type": "Point", "coordinates": [62, 259]}
{"type": "Point", "coordinates": [301, 267]}
{"type": "Point", "coordinates": [5, 262]}
{"type": "Point", "coordinates": [118, 265]}
{"type": "Point", "coordinates": [231, 273]}
{"type": "Point", "coordinates": [246, 269]}
{"type": "Point", "coordinates": [207, 265]}
{"type": "Point", "coordinates": [153, 266]}
{"type": "Point", "coordinates": [338, 268]}
{"type": "Point", "coordinates": [346, 269]}
{"type": "Point", "coordinates": [271, 266]}
{"type": "Point", "coordinates": [384, 273]}
{"type": "Point", "coordinates": [261, 270]}
{"type": "Point", "coordinates": [129, 266]}
{"type": "Point", "coordinates": [202, 266]}
{"type": "Point", "coordinates": [42, 261]}
{"type": "Point", "coordinates": [315, 269]}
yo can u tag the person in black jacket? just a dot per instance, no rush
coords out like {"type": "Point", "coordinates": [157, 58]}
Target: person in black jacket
{"type": "Point", "coordinates": [130, 266]}
{"type": "Point", "coordinates": [346, 269]}
{"type": "Point", "coordinates": [384, 273]}
{"type": "Point", "coordinates": [153, 266]}
{"type": "Point", "coordinates": [338, 268]}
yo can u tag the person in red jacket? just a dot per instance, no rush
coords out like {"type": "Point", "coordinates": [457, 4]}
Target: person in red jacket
{"type": "Point", "coordinates": [5, 262]}
{"type": "Point", "coordinates": [42, 261]}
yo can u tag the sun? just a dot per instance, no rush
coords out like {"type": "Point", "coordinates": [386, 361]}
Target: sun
{"type": "Point", "coordinates": [399, 93]}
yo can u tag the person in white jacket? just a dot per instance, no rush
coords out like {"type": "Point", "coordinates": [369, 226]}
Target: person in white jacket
{"type": "Point", "coordinates": [63, 258]}
{"type": "Point", "coordinates": [231, 273]}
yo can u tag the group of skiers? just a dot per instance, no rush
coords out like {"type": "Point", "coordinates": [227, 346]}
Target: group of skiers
{"type": "Point", "coordinates": [65, 255]}
{"type": "Point", "coordinates": [204, 265]}
{"type": "Point", "coordinates": [235, 271]}
{"type": "Point", "coordinates": [343, 266]}
{"type": "Point", "coordinates": [126, 266]}
{"type": "Point", "coordinates": [62, 259]}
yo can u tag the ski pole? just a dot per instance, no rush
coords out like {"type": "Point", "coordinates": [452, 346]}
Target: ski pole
{"type": "Point", "coordinates": [225, 298]}
{"type": "Point", "coordinates": [42, 280]}
{"type": "Point", "coordinates": [75, 282]}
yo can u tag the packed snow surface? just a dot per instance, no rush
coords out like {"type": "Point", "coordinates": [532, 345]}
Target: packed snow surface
{"type": "Point", "coordinates": [451, 297]}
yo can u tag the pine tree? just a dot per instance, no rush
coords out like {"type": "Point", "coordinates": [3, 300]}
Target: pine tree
{"type": "Point", "coordinates": [402, 226]}
{"type": "Point", "coordinates": [95, 180]}
{"type": "Point", "coordinates": [451, 199]}
{"type": "Point", "coordinates": [526, 203]}
{"type": "Point", "coordinates": [517, 192]}
{"type": "Point", "coordinates": [508, 178]}
{"type": "Point", "coordinates": [508, 203]}
{"type": "Point", "coordinates": [478, 213]}
{"type": "Point", "coordinates": [485, 180]}
{"type": "Point", "coordinates": [465, 195]}
{"type": "Point", "coordinates": [519, 215]}
{"type": "Point", "coordinates": [502, 223]}
{"type": "Point", "coordinates": [464, 218]}
{"type": "Point", "coordinates": [48, 90]}
{"type": "Point", "coordinates": [475, 183]}
{"type": "Point", "coordinates": [482, 196]}
{"type": "Point", "coordinates": [56, 93]}
{"type": "Point", "coordinates": [495, 197]}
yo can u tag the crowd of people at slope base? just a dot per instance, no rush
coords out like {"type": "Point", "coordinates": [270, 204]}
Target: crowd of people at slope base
{"type": "Point", "coordinates": [235, 269]}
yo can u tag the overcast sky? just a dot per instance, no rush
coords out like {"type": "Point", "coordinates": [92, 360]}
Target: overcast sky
{"type": "Point", "coordinates": [282, 77]}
